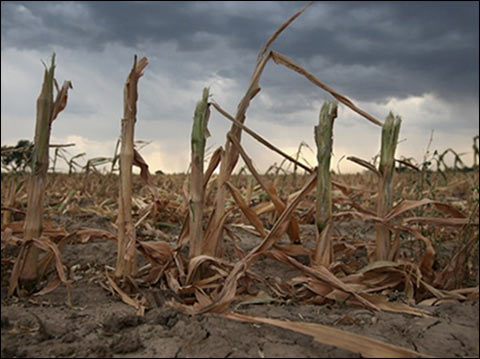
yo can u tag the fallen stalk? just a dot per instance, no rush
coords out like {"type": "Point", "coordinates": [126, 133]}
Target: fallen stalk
{"type": "Point", "coordinates": [260, 138]}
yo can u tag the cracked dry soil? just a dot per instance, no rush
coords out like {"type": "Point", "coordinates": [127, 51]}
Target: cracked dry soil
{"type": "Point", "coordinates": [101, 325]}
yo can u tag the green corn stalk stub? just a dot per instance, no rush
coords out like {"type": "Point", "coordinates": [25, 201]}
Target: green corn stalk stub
{"type": "Point", "coordinates": [198, 140]}
{"type": "Point", "coordinates": [390, 132]}
{"type": "Point", "coordinates": [324, 141]}
{"type": "Point", "coordinates": [200, 125]}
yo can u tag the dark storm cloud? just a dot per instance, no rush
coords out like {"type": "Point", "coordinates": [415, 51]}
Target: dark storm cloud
{"type": "Point", "coordinates": [128, 23]}
{"type": "Point", "coordinates": [369, 50]}
{"type": "Point", "coordinates": [421, 46]}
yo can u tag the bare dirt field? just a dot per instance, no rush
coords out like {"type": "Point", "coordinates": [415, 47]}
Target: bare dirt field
{"type": "Point", "coordinates": [101, 325]}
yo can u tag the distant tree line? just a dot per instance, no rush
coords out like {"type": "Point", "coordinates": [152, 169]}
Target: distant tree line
{"type": "Point", "coordinates": [17, 158]}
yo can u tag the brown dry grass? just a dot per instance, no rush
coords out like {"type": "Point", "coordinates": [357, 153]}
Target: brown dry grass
{"type": "Point", "coordinates": [436, 262]}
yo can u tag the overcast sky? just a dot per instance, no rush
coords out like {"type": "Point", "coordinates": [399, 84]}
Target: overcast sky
{"type": "Point", "coordinates": [419, 60]}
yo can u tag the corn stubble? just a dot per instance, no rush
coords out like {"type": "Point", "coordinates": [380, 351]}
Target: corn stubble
{"type": "Point", "coordinates": [322, 198]}
{"type": "Point", "coordinates": [323, 139]}
{"type": "Point", "coordinates": [198, 140]}
{"type": "Point", "coordinates": [126, 256]}
{"type": "Point", "coordinates": [390, 132]}
{"type": "Point", "coordinates": [26, 266]}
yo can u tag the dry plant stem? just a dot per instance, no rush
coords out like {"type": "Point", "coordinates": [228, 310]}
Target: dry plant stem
{"type": "Point", "coordinates": [231, 156]}
{"type": "Point", "coordinates": [279, 30]}
{"type": "Point", "coordinates": [323, 139]}
{"type": "Point", "coordinates": [115, 156]}
{"type": "Point", "coordinates": [126, 259]}
{"type": "Point", "coordinates": [293, 228]}
{"type": "Point", "coordinates": [248, 196]}
{"type": "Point", "coordinates": [297, 156]}
{"type": "Point", "coordinates": [390, 132]}
{"type": "Point", "coordinates": [260, 138]}
{"type": "Point", "coordinates": [185, 232]}
{"type": "Point", "coordinates": [268, 144]}
{"type": "Point", "coordinates": [200, 121]}
{"type": "Point", "coordinates": [283, 60]}
{"type": "Point", "coordinates": [36, 185]}
{"type": "Point", "coordinates": [247, 211]}
{"type": "Point", "coordinates": [227, 293]}
{"type": "Point", "coordinates": [10, 203]}
{"type": "Point", "coordinates": [47, 112]}
{"type": "Point", "coordinates": [367, 347]}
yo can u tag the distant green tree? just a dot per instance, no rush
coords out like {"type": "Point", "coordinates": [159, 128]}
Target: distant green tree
{"type": "Point", "coordinates": [19, 157]}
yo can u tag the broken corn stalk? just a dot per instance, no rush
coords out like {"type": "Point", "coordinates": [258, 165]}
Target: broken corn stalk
{"type": "Point", "coordinates": [198, 140]}
{"type": "Point", "coordinates": [390, 132]}
{"type": "Point", "coordinates": [36, 185]}
{"type": "Point", "coordinates": [324, 140]}
{"type": "Point", "coordinates": [126, 258]}
{"type": "Point", "coordinates": [47, 112]}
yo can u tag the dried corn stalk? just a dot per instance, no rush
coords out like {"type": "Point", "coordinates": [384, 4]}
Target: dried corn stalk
{"type": "Point", "coordinates": [390, 131]}
{"type": "Point", "coordinates": [323, 139]}
{"type": "Point", "coordinates": [126, 259]}
{"type": "Point", "coordinates": [231, 153]}
{"type": "Point", "coordinates": [367, 347]}
{"type": "Point", "coordinates": [293, 228]}
{"type": "Point", "coordinates": [199, 131]}
{"type": "Point", "coordinates": [10, 201]}
{"type": "Point", "coordinates": [47, 111]}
